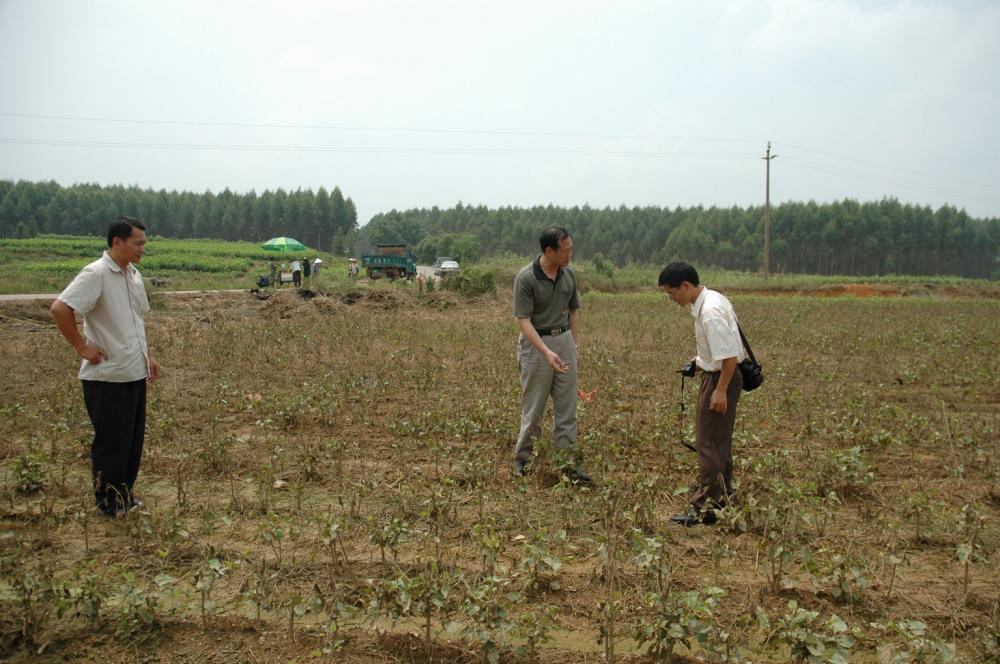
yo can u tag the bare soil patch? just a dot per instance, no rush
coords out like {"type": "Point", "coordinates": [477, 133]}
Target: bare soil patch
{"type": "Point", "coordinates": [910, 290]}
{"type": "Point", "coordinates": [333, 457]}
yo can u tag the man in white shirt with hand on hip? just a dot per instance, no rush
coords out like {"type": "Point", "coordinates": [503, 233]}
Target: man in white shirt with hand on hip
{"type": "Point", "coordinates": [720, 349]}
{"type": "Point", "coordinates": [117, 362]}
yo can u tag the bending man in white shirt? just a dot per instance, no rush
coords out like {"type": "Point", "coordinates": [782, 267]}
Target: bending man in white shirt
{"type": "Point", "coordinates": [720, 349]}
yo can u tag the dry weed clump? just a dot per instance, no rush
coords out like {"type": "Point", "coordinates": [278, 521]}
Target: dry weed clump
{"type": "Point", "coordinates": [387, 299]}
{"type": "Point", "coordinates": [441, 300]}
{"type": "Point", "coordinates": [324, 479]}
{"type": "Point", "coordinates": [285, 304]}
{"type": "Point", "coordinates": [328, 306]}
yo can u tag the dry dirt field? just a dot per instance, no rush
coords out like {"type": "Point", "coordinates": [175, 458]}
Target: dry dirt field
{"type": "Point", "coordinates": [330, 480]}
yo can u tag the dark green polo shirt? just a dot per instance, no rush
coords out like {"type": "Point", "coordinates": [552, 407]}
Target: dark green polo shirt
{"type": "Point", "coordinates": [545, 301]}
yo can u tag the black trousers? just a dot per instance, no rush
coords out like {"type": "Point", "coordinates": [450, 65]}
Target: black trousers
{"type": "Point", "coordinates": [118, 413]}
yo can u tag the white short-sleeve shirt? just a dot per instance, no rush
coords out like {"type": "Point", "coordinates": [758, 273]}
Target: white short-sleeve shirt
{"type": "Point", "coordinates": [112, 302]}
{"type": "Point", "coordinates": [716, 333]}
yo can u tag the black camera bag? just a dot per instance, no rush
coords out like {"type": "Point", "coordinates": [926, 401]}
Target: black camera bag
{"type": "Point", "coordinates": [753, 373]}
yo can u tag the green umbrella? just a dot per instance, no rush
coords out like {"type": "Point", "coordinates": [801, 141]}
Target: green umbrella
{"type": "Point", "coordinates": [283, 244]}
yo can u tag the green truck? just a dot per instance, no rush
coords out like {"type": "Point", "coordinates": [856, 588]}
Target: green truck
{"type": "Point", "coordinates": [389, 260]}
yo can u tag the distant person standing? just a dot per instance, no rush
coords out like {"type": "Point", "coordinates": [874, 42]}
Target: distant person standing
{"type": "Point", "coordinates": [547, 310]}
{"type": "Point", "coordinates": [720, 350]}
{"type": "Point", "coordinates": [297, 273]}
{"type": "Point", "coordinates": [117, 361]}
{"type": "Point", "coordinates": [317, 264]}
{"type": "Point", "coordinates": [307, 270]}
{"type": "Point", "coordinates": [273, 272]}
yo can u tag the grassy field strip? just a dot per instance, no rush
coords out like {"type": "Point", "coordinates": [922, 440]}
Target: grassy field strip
{"type": "Point", "coordinates": [44, 264]}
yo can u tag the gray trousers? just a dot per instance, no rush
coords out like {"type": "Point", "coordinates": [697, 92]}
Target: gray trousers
{"type": "Point", "coordinates": [538, 383]}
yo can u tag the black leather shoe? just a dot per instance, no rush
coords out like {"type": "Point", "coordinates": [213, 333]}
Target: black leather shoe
{"type": "Point", "coordinates": [693, 518]}
{"type": "Point", "coordinates": [577, 475]}
{"type": "Point", "coordinates": [521, 467]}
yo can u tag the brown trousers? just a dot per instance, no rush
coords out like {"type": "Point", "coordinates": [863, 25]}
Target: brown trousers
{"type": "Point", "coordinates": [714, 440]}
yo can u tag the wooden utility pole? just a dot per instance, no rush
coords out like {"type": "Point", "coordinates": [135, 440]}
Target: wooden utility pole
{"type": "Point", "coordinates": [767, 211]}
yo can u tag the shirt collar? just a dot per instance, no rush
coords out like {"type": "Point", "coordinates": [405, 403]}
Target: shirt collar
{"type": "Point", "coordinates": [113, 266]}
{"type": "Point", "coordinates": [536, 266]}
{"type": "Point", "coordinates": [698, 303]}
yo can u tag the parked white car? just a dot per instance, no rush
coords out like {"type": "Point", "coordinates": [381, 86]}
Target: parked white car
{"type": "Point", "coordinates": [445, 267]}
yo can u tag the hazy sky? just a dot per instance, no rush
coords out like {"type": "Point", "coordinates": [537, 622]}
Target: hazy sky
{"type": "Point", "coordinates": [413, 104]}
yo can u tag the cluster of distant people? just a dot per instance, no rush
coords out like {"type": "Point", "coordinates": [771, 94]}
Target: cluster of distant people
{"type": "Point", "coordinates": [299, 268]}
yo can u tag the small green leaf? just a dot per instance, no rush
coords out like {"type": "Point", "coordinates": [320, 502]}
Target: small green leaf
{"type": "Point", "coordinates": [164, 580]}
{"type": "Point", "coordinates": [762, 619]}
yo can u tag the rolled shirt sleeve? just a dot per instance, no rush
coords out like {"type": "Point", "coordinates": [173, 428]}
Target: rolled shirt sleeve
{"type": "Point", "coordinates": [723, 341]}
{"type": "Point", "coordinates": [83, 292]}
{"type": "Point", "coordinates": [524, 296]}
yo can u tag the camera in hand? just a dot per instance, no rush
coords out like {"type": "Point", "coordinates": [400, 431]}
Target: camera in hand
{"type": "Point", "coordinates": [688, 369]}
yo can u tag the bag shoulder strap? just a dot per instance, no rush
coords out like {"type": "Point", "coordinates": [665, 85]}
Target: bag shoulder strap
{"type": "Point", "coordinates": [743, 337]}
{"type": "Point", "coordinates": [746, 344]}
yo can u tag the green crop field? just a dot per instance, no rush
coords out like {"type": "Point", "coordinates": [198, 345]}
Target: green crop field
{"type": "Point", "coordinates": [331, 481]}
{"type": "Point", "coordinates": [46, 264]}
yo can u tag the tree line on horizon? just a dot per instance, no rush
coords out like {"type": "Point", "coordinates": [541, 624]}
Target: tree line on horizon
{"type": "Point", "coordinates": [843, 237]}
{"type": "Point", "coordinates": [323, 220]}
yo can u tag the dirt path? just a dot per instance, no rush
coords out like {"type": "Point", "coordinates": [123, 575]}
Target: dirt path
{"type": "Point", "coordinates": [28, 296]}
{"type": "Point", "coordinates": [827, 290]}
{"type": "Point", "coordinates": [52, 296]}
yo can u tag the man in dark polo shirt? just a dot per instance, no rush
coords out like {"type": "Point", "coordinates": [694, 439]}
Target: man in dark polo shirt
{"type": "Point", "coordinates": [547, 309]}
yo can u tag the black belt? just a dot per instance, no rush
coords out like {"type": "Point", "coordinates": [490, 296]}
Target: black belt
{"type": "Point", "coordinates": [551, 331]}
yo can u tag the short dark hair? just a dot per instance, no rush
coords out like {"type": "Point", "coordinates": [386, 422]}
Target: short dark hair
{"type": "Point", "coordinates": [551, 237]}
{"type": "Point", "coordinates": [677, 273]}
{"type": "Point", "coordinates": [122, 228]}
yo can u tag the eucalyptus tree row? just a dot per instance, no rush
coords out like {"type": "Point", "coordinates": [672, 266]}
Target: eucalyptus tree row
{"type": "Point", "coordinates": [842, 237]}
{"type": "Point", "coordinates": [321, 219]}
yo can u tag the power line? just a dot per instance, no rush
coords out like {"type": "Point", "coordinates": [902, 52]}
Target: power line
{"type": "Point", "coordinates": [823, 168]}
{"type": "Point", "coordinates": [539, 152]}
{"type": "Point", "coordinates": [469, 132]}
{"type": "Point", "coordinates": [895, 168]}
{"type": "Point", "coordinates": [331, 127]}
{"type": "Point", "coordinates": [372, 149]}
